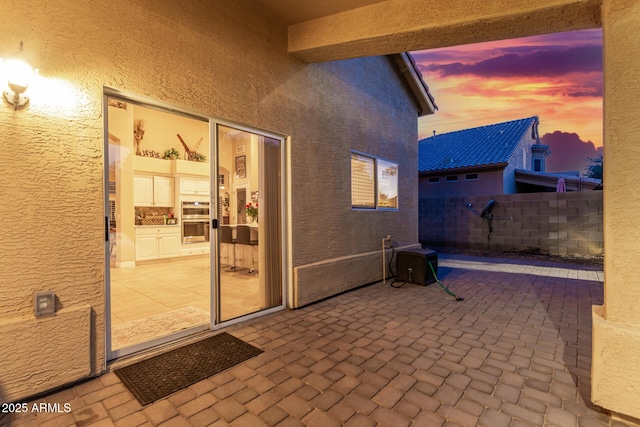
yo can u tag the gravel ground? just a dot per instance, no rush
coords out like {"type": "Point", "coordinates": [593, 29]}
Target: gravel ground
{"type": "Point", "coordinates": [530, 254]}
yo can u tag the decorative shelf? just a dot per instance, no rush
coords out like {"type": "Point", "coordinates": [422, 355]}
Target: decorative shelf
{"type": "Point", "coordinates": [170, 167]}
{"type": "Point", "coordinates": [152, 165]}
{"type": "Point", "coordinates": [185, 167]}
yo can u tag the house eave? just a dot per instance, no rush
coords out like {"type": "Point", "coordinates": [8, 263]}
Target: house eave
{"type": "Point", "coordinates": [417, 85]}
{"type": "Point", "coordinates": [550, 180]}
{"type": "Point", "coordinates": [465, 169]}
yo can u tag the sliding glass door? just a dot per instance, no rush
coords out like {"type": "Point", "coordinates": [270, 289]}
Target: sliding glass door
{"type": "Point", "coordinates": [194, 210]}
{"type": "Point", "coordinates": [250, 217]}
{"type": "Point", "coordinates": [159, 270]}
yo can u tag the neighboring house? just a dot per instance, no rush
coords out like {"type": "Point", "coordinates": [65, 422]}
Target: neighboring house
{"type": "Point", "coordinates": [208, 81]}
{"type": "Point", "coordinates": [480, 161]}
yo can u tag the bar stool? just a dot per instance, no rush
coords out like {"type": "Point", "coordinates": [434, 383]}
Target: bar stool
{"type": "Point", "coordinates": [253, 241]}
{"type": "Point", "coordinates": [226, 237]}
{"type": "Point", "coordinates": [243, 237]}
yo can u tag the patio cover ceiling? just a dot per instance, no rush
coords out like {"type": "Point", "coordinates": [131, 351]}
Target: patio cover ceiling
{"type": "Point", "coordinates": [296, 11]}
{"type": "Point", "coordinates": [327, 30]}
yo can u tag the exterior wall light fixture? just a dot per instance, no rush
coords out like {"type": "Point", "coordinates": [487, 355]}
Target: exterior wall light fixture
{"type": "Point", "coordinates": [19, 72]}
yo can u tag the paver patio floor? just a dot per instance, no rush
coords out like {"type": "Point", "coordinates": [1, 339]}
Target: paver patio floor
{"type": "Point", "coordinates": [515, 352]}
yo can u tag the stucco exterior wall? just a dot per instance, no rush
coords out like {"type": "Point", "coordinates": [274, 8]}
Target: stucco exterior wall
{"type": "Point", "coordinates": [520, 159]}
{"type": "Point", "coordinates": [407, 25]}
{"type": "Point", "coordinates": [488, 182]}
{"type": "Point", "coordinates": [83, 46]}
{"type": "Point", "coordinates": [616, 324]}
{"type": "Point", "coordinates": [325, 227]}
{"type": "Point", "coordinates": [30, 347]}
{"type": "Point", "coordinates": [221, 58]}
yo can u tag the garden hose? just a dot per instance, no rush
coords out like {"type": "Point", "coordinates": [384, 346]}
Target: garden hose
{"type": "Point", "coordinates": [394, 276]}
{"type": "Point", "coordinates": [441, 285]}
{"type": "Point", "coordinates": [433, 271]}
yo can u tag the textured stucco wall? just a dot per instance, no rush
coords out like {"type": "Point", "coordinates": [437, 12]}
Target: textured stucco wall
{"type": "Point", "coordinates": [325, 227]}
{"type": "Point", "coordinates": [31, 347]}
{"type": "Point", "coordinates": [342, 274]}
{"type": "Point", "coordinates": [408, 25]}
{"type": "Point", "coordinates": [221, 58]}
{"type": "Point", "coordinates": [488, 182]}
{"type": "Point", "coordinates": [616, 325]}
{"type": "Point", "coordinates": [520, 159]}
{"type": "Point", "coordinates": [192, 53]}
{"type": "Point", "coordinates": [616, 354]}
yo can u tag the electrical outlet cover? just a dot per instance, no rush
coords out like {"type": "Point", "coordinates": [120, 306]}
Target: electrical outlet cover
{"type": "Point", "coordinates": [44, 303]}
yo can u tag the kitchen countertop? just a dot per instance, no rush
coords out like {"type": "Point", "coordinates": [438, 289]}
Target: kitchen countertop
{"type": "Point", "coordinates": [158, 225]}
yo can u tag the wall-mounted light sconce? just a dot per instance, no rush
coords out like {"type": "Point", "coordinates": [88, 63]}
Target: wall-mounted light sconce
{"type": "Point", "coordinates": [19, 72]}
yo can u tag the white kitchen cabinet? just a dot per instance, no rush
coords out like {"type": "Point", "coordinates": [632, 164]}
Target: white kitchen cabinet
{"type": "Point", "coordinates": [169, 245]}
{"type": "Point", "coordinates": [153, 190]}
{"type": "Point", "coordinates": [194, 185]}
{"type": "Point", "coordinates": [157, 242]}
{"type": "Point", "coordinates": [146, 247]}
{"type": "Point", "coordinates": [143, 190]}
{"type": "Point", "coordinates": [163, 191]}
{"type": "Point", "coordinates": [194, 249]}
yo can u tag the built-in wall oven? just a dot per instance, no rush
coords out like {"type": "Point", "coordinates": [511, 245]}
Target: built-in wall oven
{"type": "Point", "coordinates": [195, 222]}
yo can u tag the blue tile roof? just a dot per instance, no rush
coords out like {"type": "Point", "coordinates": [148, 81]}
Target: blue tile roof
{"type": "Point", "coordinates": [481, 146]}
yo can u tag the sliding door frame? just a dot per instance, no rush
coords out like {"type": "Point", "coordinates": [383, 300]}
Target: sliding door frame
{"type": "Point", "coordinates": [214, 122]}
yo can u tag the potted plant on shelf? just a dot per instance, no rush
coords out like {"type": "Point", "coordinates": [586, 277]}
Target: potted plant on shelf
{"type": "Point", "coordinates": [171, 154]}
{"type": "Point", "coordinates": [252, 212]}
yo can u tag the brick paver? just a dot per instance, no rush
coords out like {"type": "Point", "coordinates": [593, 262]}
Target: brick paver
{"type": "Point", "coordinates": [516, 351]}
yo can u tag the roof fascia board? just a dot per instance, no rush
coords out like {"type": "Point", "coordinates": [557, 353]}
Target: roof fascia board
{"type": "Point", "coordinates": [550, 181]}
{"type": "Point", "coordinates": [481, 168]}
{"type": "Point", "coordinates": [416, 83]}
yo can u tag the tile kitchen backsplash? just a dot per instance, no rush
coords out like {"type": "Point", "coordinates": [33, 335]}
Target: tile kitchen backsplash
{"type": "Point", "coordinates": [145, 214]}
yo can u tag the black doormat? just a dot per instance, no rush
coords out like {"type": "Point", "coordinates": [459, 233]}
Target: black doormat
{"type": "Point", "coordinates": [159, 376]}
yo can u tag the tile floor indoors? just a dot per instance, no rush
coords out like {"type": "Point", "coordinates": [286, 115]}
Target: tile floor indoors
{"type": "Point", "coordinates": [157, 290]}
{"type": "Point", "coordinates": [515, 352]}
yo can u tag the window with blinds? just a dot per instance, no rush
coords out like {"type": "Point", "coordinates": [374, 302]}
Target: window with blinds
{"type": "Point", "coordinates": [363, 184]}
{"type": "Point", "coordinates": [374, 182]}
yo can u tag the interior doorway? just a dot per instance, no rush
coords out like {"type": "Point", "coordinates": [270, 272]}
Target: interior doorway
{"type": "Point", "coordinates": [177, 183]}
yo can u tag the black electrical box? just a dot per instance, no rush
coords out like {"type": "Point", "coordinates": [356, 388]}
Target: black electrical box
{"type": "Point", "coordinates": [413, 266]}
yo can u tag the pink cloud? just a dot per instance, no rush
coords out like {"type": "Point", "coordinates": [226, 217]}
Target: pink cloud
{"type": "Point", "coordinates": [557, 77]}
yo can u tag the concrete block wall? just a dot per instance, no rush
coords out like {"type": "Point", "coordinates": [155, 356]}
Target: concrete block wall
{"type": "Point", "coordinates": [555, 223]}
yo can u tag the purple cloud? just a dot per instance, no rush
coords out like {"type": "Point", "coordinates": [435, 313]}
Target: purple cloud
{"type": "Point", "coordinates": [444, 55]}
{"type": "Point", "coordinates": [538, 63]}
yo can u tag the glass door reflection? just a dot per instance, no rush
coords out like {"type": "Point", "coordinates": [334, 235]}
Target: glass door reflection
{"type": "Point", "coordinates": [249, 194]}
{"type": "Point", "coordinates": [158, 261]}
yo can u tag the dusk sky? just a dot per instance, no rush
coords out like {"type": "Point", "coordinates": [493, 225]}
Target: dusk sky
{"type": "Point", "coordinates": [557, 77]}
